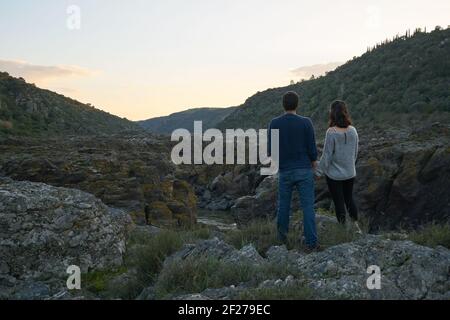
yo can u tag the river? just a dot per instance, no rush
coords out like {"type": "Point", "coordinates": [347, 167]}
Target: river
{"type": "Point", "coordinates": [220, 219]}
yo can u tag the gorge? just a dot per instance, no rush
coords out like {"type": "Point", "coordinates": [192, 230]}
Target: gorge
{"type": "Point", "coordinates": [75, 182]}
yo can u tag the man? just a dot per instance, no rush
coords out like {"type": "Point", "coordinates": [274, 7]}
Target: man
{"type": "Point", "coordinates": [297, 162]}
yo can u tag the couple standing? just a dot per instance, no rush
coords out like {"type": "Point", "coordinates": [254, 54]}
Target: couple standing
{"type": "Point", "coordinates": [298, 164]}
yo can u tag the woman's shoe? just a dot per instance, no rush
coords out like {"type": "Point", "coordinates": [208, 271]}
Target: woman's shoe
{"type": "Point", "coordinates": [358, 229]}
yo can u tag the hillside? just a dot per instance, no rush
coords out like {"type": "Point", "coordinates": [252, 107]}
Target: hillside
{"type": "Point", "coordinates": [399, 82]}
{"type": "Point", "coordinates": [185, 119]}
{"type": "Point", "coordinates": [28, 110]}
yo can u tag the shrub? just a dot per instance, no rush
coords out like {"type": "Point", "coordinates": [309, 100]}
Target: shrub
{"type": "Point", "coordinates": [146, 254]}
{"type": "Point", "coordinates": [263, 234]}
{"type": "Point", "coordinates": [196, 275]}
{"type": "Point", "coordinates": [432, 235]}
{"type": "Point", "coordinates": [97, 281]}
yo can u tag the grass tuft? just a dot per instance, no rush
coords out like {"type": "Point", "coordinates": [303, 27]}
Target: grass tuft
{"type": "Point", "coordinates": [196, 275]}
{"type": "Point", "coordinates": [432, 235]}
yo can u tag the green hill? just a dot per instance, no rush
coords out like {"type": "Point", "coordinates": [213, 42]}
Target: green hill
{"type": "Point", "coordinates": [185, 119]}
{"type": "Point", "coordinates": [28, 110]}
{"type": "Point", "coordinates": [399, 82]}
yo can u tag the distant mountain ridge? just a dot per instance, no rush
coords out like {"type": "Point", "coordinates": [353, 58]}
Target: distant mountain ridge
{"type": "Point", "coordinates": [28, 110]}
{"type": "Point", "coordinates": [399, 82]}
{"type": "Point", "coordinates": [185, 120]}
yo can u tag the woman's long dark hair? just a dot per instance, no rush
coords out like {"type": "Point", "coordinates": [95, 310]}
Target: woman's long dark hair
{"type": "Point", "coordinates": [339, 115]}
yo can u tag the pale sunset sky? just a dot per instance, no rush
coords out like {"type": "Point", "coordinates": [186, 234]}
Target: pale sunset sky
{"type": "Point", "coordinates": [145, 58]}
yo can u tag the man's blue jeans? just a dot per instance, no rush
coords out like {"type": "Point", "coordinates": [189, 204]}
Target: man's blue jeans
{"type": "Point", "coordinates": [303, 181]}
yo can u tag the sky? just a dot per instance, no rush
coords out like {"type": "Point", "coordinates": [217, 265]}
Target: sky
{"type": "Point", "coordinates": [146, 58]}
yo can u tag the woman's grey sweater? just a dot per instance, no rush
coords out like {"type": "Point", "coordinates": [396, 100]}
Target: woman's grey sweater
{"type": "Point", "coordinates": [339, 154]}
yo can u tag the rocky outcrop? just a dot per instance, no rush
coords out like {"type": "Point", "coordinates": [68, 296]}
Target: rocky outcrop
{"type": "Point", "coordinates": [219, 249]}
{"type": "Point", "coordinates": [127, 172]}
{"type": "Point", "coordinates": [404, 183]}
{"type": "Point", "coordinates": [408, 270]}
{"type": "Point", "coordinates": [44, 230]}
{"type": "Point", "coordinates": [223, 189]}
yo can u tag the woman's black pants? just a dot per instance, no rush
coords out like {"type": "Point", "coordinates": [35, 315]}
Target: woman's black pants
{"type": "Point", "coordinates": [342, 194]}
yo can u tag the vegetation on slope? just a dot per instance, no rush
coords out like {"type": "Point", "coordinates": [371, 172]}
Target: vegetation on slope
{"type": "Point", "coordinates": [398, 82]}
{"type": "Point", "coordinates": [28, 110]}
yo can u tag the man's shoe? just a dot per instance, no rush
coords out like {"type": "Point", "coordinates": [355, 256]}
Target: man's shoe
{"type": "Point", "coordinates": [313, 249]}
{"type": "Point", "coordinates": [282, 240]}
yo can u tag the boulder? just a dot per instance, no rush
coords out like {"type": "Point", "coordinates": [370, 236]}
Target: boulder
{"type": "Point", "coordinates": [261, 205]}
{"type": "Point", "coordinates": [45, 229]}
{"type": "Point", "coordinates": [405, 185]}
{"type": "Point", "coordinates": [218, 249]}
{"type": "Point", "coordinates": [408, 271]}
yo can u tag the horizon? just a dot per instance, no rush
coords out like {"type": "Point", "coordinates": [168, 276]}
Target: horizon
{"type": "Point", "coordinates": [187, 62]}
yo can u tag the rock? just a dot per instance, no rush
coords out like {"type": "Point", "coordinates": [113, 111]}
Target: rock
{"type": "Point", "coordinates": [247, 254]}
{"type": "Point", "coordinates": [403, 184]}
{"type": "Point", "coordinates": [219, 205]}
{"type": "Point", "coordinates": [226, 293]}
{"type": "Point", "coordinates": [214, 248]}
{"type": "Point", "coordinates": [192, 297]}
{"type": "Point", "coordinates": [147, 294]}
{"type": "Point", "coordinates": [234, 183]}
{"type": "Point", "coordinates": [207, 195]}
{"type": "Point", "coordinates": [31, 291]}
{"type": "Point", "coordinates": [147, 231]}
{"type": "Point", "coordinates": [280, 255]}
{"type": "Point", "coordinates": [408, 271]}
{"type": "Point", "coordinates": [220, 184]}
{"type": "Point", "coordinates": [36, 218]}
{"type": "Point", "coordinates": [323, 224]}
{"type": "Point", "coordinates": [218, 249]}
{"type": "Point", "coordinates": [261, 205]}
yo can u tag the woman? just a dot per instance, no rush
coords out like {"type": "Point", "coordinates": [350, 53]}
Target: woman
{"type": "Point", "coordinates": [338, 161]}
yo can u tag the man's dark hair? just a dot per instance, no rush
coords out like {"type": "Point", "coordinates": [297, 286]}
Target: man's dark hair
{"type": "Point", "coordinates": [290, 101]}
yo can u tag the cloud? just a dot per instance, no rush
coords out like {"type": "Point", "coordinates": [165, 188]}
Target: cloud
{"type": "Point", "coordinates": [39, 73]}
{"type": "Point", "coordinates": [317, 70]}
